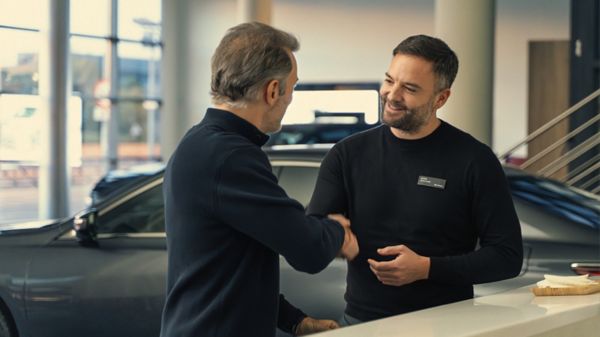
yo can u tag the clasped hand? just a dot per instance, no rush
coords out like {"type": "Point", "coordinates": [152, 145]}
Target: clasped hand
{"type": "Point", "coordinates": [405, 268]}
{"type": "Point", "coordinates": [350, 247]}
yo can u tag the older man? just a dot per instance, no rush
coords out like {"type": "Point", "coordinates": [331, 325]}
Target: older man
{"type": "Point", "coordinates": [227, 219]}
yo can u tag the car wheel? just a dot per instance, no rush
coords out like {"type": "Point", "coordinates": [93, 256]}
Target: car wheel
{"type": "Point", "coordinates": [5, 326]}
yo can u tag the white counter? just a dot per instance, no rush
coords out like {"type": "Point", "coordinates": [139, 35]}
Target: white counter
{"type": "Point", "coordinates": [513, 313]}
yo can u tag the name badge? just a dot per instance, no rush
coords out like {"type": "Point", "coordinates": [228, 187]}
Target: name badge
{"type": "Point", "coordinates": [432, 182]}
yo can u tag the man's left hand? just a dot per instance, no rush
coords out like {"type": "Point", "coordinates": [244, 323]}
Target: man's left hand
{"type": "Point", "coordinates": [311, 325]}
{"type": "Point", "coordinates": [406, 268]}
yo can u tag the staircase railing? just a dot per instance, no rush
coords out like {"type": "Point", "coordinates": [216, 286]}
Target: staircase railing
{"type": "Point", "coordinates": [586, 175]}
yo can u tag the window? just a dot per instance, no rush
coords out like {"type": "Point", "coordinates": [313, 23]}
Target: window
{"type": "Point", "coordinates": [143, 213]}
{"type": "Point", "coordinates": [20, 40]}
{"type": "Point", "coordinates": [19, 61]}
{"type": "Point", "coordinates": [24, 14]}
{"type": "Point", "coordinates": [136, 104]}
{"type": "Point", "coordinates": [90, 17]}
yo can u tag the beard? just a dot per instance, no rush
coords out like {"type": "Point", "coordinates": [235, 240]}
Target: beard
{"type": "Point", "coordinates": [411, 120]}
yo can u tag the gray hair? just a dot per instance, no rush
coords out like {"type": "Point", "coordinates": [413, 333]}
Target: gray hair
{"type": "Point", "coordinates": [247, 58]}
{"type": "Point", "coordinates": [432, 49]}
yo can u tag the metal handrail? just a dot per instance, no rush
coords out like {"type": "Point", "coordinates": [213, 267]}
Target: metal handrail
{"type": "Point", "coordinates": [566, 158]}
{"type": "Point", "coordinates": [551, 123]}
{"type": "Point", "coordinates": [560, 142]}
{"type": "Point", "coordinates": [569, 178]}
{"type": "Point", "coordinates": [585, 173]}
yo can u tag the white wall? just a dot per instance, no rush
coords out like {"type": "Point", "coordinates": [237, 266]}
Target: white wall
{"type": "Point", "coordinates": [209, 24]}
{"type": "Point", "coordinates": [350, 40]}
{"type": "Point", "coordinates": [517, 23]}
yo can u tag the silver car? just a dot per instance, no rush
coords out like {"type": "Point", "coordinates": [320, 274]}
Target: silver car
{"type": "Point", "coordinates": [102, 272]}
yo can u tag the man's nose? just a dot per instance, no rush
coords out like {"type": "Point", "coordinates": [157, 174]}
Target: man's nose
{"type": "Point", "coordinates": [395, 94]}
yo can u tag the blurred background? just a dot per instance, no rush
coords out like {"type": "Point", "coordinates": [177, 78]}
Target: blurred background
{"type": "Point", "coordinates": [129, 77]}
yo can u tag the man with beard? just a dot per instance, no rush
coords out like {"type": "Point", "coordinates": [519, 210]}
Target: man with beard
{"type": "Point", "coordinates": [428, 203]}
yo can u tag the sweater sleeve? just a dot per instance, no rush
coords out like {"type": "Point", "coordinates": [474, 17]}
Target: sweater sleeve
{"type": "Point", "coordinates": [289, 316]}
{"type": "Point", "coordinates": [248, 198]}
{"type": "Point", "coordinates": [500, 252]}
{"type": "Point", "coordinates": [329, 195]}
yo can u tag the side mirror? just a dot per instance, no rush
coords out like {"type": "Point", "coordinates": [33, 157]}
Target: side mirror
{"type": "Point", "coordinates": [84, 225]}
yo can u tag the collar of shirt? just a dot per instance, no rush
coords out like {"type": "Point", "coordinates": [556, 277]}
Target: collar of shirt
{"type": "Point", "coordinates": [417, 144]}
{"type": "Point", "coordinates": [230, 122]}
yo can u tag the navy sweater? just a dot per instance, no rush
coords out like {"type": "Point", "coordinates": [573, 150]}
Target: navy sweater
{"type": "Point", "coordinates": [440, 196]}
{"type": "Point", "coordinates": [226, 222]}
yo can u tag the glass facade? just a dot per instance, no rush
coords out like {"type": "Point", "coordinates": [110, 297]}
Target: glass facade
{"type": "Point", "coordinates": [19, 61]}
{"type": "Point", "coordinates": [135, 103]}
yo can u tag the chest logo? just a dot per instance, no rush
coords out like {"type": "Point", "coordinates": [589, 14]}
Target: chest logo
{"type": "Point", "coordinates": [432, 182]}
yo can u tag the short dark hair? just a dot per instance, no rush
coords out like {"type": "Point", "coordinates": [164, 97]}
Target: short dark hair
{"type": "Point", "coordinates": [248, 56]}
{"type": "Point", "coordinates": [432, 49]}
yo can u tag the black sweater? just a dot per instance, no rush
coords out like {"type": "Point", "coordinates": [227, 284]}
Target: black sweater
{"type": "Point", "coordinates": [388, 188]}
{"type": "Point", "coordinates": [226, 222]}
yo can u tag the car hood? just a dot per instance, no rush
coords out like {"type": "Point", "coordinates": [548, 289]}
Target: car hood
{"type": "Point", "coordinates": [33, 232]}
{"type": "Point", "coordinates": [24, 226]}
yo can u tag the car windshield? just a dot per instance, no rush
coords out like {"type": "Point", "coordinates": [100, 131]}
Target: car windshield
{"type": "Point", "coordinates": [117, 181]}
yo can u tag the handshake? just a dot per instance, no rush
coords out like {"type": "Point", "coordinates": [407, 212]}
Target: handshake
{"type": "Point", "coordinates": [405, 267]}
{"type": "Point", "coordinates": [349, 248]}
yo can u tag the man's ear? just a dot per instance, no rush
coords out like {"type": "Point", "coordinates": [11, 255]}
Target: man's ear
{"type": "Point", "coordinates": [441, 99]}
{"type": "Point", "coordinates": [272, 92]}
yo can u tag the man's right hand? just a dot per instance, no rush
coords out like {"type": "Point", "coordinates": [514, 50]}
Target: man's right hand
{"type": "Point", "coordinates": [350, 247]}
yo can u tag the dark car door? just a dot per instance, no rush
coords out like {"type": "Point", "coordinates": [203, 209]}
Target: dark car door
{"type": "Point", "coordinates": [320, 295]}
{"type": "Point", "coordinates": [116, 288]}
